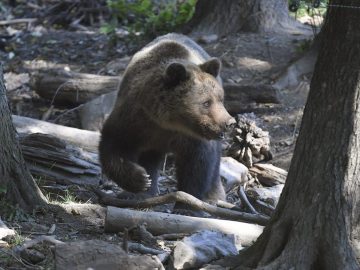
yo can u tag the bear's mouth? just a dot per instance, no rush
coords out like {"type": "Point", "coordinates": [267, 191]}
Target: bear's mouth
{"type": "Point", "coordinates": [201, 131]}
{"type": "Point", "coordinates": [211, 134]}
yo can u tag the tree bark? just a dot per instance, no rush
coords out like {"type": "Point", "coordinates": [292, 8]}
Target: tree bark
{"type": "Point", "coordinates": [230, 16]}
{"type": "Point", "coordinates": [15, 179]}
{"type": "Point", "coordinates": [317, 222]}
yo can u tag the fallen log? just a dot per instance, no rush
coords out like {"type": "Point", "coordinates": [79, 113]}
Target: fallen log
{"type": "Point", "coordinates": [62, 86]}
{"type": "Point", "coordinates": [187, 199]}
{"type": "Point", "coordinates": [53, 160]}
{"type": "Point", "coordinates": [118, 219]}
{"type": "Point", "coordinates": [268, 174]}
{"type": "Point", "coordinates": [83, 138]}
{"type": "Point", "coordinates": [77, 88]}
{"type": "Point", "coordinates": [240, 98]}
{"type": "Point", "coordinates": [94, 113]}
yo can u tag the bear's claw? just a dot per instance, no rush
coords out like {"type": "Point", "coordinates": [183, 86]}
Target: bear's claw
{"type": "Point", "coordinates": [135, 179]}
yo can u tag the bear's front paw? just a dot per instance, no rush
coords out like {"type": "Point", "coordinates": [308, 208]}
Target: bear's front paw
{"type": "Point", "coordinates": [137, 180]}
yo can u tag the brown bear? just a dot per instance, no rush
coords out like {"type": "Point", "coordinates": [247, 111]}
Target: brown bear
{"type": "Point", "coordinates": [170, 100]}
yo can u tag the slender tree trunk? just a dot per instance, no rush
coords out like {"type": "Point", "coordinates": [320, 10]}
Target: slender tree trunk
{"type": "Point", "coordinates": [15, 179]}
{"type": "Point", "coordinates": [229, 16]}
{"type": "Point", "coordinates": [317, 222]}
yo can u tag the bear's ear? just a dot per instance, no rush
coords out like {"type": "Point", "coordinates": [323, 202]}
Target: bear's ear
{"type": "Point", "coordinates": [212, 67]}
{"type": "Point", "coordinates": [175, 73]}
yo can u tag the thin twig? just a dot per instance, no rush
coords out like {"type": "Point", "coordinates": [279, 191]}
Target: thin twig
{"type": "Point", "coordinates": [144, 249]}
{"type": "Point", "coordinates": [125, 244]}
{"type": "Point", "coordinates": [245, 200]}
{"type": "Point", "coordinates": [269, 207]}
{"type": "Point", "coordinates": [228, 205]}
{"type": "Point", "coordinates": [16, 21]}
{"type": "Point", "coordinates": [57, 91]}
{"type": "Point", "coordinates": [22, 261]}
{"type": "Point", "coordinates": [40, 239]}
{"type": "Point", "coordinates": [66, 112]}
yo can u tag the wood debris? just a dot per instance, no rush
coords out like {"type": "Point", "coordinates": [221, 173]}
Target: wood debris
{"type": "Point", "coordinates": [249, 142]}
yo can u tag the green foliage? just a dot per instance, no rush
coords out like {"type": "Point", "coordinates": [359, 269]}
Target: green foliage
{"type": "Point", "coordinates": [149, 18]}
{"type": "Point", "coordinates": [2, 190]}
{"type": "Point", "coordinates": [304, 46]}
{"type": "Point", "coordinates": [13, 213]}
{"type": "Point", "coordinates": [306, 8]}
{"type": "Point", "coordinates": [16, 240]}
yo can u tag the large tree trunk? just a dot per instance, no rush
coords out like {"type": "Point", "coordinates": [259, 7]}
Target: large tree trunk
{"type": "Point", "coordinates": [317, 222]}
{"type": "Point", "coordinates": [228, 16]}
{"type": "Point", "coordinates": [15, 178]}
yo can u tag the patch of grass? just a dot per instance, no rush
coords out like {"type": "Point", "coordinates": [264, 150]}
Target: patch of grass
{"type": "Point", "coordinates": [16, 240]}
{"type": "Point", "coordinates": [67, 198]}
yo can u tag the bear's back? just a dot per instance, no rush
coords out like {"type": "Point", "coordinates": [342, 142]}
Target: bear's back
{"type": "Point", "coordinates": [160, 52]}
{"type": "Point", "coordinates": [195, 53]}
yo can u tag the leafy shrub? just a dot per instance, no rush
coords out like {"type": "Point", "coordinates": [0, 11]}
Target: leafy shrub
{"type": "Point", "coordinates": [308, 7]}
{"type": "Point", "coordinates": [149, 17]}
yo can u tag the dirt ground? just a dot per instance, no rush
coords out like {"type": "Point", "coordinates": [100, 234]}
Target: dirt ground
{"type": "Point", "coordinates": [247, 58]}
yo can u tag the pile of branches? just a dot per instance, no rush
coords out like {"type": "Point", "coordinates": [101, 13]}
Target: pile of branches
{"type": "Point", "coordinates": [66, 13]}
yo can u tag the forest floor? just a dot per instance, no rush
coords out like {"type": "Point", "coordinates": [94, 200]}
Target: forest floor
{"type": "Point", "coordinates": [247, 58]}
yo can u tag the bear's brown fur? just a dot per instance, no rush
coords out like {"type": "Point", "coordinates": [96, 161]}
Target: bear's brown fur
{"type": "Point", "coordinates": [170, 100]}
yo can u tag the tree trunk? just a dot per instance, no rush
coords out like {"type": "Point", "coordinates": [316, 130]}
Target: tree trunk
{"type": "Point", "coordinates": [15, 178]}
{"type": "Point", "coordinates": [230, 16]}
{"type": "Point", "coordinates": [317, 222]}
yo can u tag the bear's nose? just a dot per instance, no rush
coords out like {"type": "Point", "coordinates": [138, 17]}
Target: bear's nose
{"type": "Point", "coordinates": [230, 124]}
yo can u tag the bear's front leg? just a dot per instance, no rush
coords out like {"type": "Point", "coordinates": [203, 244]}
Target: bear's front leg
{"type": "Point", "coordinates": [120, 167]}
{"type": "Point", "coordinates": [152, 161]}
{"type": "Point", "coordinates": [132, 177]}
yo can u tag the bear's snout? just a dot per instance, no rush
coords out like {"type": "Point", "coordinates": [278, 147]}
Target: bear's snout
{"type": "Point", "coordinates": [230, 124]}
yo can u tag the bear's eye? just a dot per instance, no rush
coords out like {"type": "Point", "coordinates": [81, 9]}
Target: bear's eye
{"type": "Point", "coordinates": [207, 103]}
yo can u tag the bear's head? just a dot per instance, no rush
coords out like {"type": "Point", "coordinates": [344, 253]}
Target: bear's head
{"type": "Point", "coordinates": [194, 100]}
